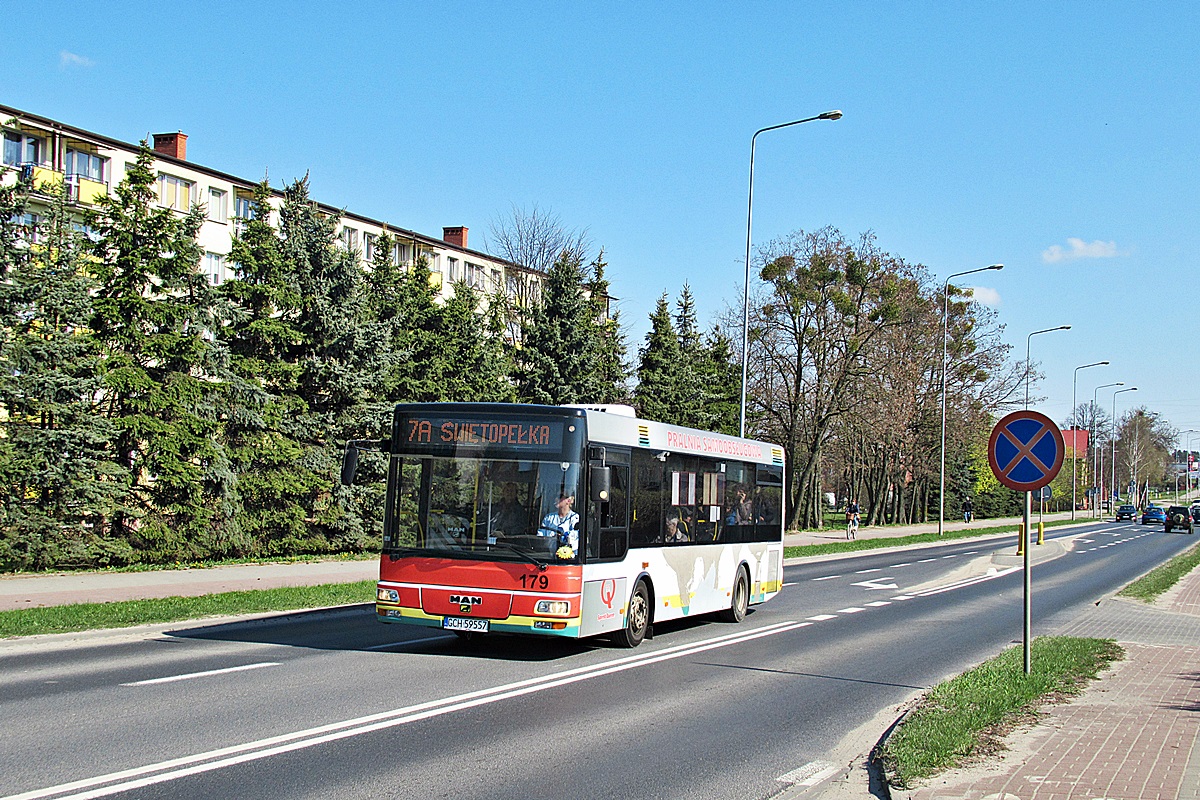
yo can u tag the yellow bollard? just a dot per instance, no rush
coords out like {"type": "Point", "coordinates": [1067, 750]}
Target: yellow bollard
{"type": "Point", "coordinates": [1041, 533]}
{"type": "Point", "coordinates": [1020, 538]}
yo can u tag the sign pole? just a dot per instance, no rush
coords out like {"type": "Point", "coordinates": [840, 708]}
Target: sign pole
{"type": "Point", "coordinates": [1028, 589]}
{"type": "Point", "coordinates": [1025, 452]}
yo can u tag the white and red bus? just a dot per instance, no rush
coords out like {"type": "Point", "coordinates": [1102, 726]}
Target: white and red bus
{"type": "Point", "coordinates": [480, 533]}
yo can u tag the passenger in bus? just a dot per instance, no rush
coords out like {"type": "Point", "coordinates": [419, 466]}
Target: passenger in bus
{"type": "Point", "coordinates": [562, 522]}
{"type": "Point", "coordinates": [676, 530]}
{"type": "Point", "coordinates": [511, 518]}
{"type": "Point", "coordinates": [741, 510]}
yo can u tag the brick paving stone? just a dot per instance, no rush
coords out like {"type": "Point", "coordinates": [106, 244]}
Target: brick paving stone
{"type": "Point", "coordinates": [1132, 735]}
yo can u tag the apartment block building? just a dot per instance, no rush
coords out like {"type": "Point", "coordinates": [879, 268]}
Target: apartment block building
{"type": "Point", "coordinates": [89, 165]}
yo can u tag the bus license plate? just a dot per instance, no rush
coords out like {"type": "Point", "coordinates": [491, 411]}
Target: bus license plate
{"type": "Point", "coordinates": [465, 624]}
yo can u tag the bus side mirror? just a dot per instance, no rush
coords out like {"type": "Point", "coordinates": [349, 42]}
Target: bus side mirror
{"type": "Point", "coordinates": [349, 463]}
{"type": "Point", "coordinates": [600, 481]}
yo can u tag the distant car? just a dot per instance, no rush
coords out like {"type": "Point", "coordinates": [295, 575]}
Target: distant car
{"type": "Point", "coordinates": [1154, 514]}
{"type": "Point", "coordinates": [1126, 512]}
{"type": "Point", "coordinates": [1196, 514]}
{"type": "Point", "coordinates": [1180, 517]}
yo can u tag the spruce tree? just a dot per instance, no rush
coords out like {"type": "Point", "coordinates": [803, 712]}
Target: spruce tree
{"type": "Point", "coordinates": [656, 394]}
{"type": "Point", "coordinates": [152, 313]}
{"type": "Point", "coordinates": [338, 361]}
{"type": "Point", "coordinates": [556, 353]}
{"type": "Point", "coordinates": [720, 379]}
{"type": "Point", "coordinates": [272, 485]}
{"type": "Point", "coordinates": [59, 483]}
{"type": "Point", "coordinates": [610, 372]}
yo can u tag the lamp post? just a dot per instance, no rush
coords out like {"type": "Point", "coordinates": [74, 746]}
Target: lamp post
{"type": "Point", "coordinates": [1028, 365]}
{"type": "Point", "coordinates": [1113, 465]}
{"type": "Point", "coordinates": [945, 335]}
{"type": "Point", "coordinates": [749, 216]}
{"type": "Point", "coordinates": [1187, 466]}
{"type": "Point", "coordinates": [1074, 384]}
{"type": "Point", "coordinates": [1096, 471]}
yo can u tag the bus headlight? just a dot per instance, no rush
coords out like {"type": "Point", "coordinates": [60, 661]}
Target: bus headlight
{"type": "Point", "coordinates": [557, 607]}
{"type": "Point", "coordinates": [387, 595]}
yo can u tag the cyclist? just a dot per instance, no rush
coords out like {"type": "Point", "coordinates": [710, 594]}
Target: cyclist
{"type": "Point", "coordinates": [852, 519]}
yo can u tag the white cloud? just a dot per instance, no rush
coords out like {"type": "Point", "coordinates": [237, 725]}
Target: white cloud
{"type": "Point", "coordinates": [985, 296]}
{"type": "Point", "coordinates": [1078, 248]}
{"type": "Point", "coordinates": [68, 59]}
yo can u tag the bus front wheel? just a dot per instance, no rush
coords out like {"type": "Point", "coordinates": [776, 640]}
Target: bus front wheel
{"type": "Point", "coordinates": [638, 619]}
{"type": "Point", "coordinates": [741, 598]}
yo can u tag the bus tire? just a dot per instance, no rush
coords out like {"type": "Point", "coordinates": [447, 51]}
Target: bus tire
{"type": "Point", "coordinates": [740, 601]}
{"type": "Point", "coordinates": [638, 619]}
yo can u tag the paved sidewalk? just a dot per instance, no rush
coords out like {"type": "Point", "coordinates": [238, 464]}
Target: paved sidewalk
{"type": "Point", "coordinates": [1132, 735]}
{"type": "Point", "coordinates": [31, 591]}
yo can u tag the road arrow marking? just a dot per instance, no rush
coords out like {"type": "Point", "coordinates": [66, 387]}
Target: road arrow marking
{"type": "Point", "coordinates": [876, 583]}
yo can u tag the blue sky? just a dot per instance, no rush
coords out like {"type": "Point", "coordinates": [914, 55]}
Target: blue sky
{"type": "Point", "coordinates": [1057, 138]}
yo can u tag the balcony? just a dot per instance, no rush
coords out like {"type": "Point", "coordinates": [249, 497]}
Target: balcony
{"type": "Point", "coordinates": [79, 189]}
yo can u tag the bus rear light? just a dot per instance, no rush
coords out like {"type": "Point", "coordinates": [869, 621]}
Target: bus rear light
{"type": "Point", "coordinates": [387, 595]}
{"type": "Point", "coordinates": [559, 608]}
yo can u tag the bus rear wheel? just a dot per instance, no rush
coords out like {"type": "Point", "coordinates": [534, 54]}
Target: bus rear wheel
{"type": "Point", "coordinates": [741, 598]}
{"type": "Point", "coordinates": [638, 618]}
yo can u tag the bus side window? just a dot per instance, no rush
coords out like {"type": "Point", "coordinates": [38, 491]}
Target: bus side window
{"type": "Point", "coordinates": [612, 539]}
{"type": "Point", "coordinates": [645, 526]}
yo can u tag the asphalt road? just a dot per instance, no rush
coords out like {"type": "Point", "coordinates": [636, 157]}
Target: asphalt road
{"type": "Point", "coordinates": [339, 705]}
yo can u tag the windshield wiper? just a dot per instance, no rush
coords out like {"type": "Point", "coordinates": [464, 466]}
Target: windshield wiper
{"type": "Point", "coordinates": [541, 565]}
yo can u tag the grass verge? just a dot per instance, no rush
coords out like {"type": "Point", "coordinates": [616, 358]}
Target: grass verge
{"type": "Point", "coordinates": [826, 548]}
{"type": "Point", "coordinates": [966, 716]}
{"type": "Point", "coordinates": [1148, 587]}
{"type": "Point", "coordinates": [123, 614]}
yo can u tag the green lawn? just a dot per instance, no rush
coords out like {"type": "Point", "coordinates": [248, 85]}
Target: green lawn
{"type": "Point", "coordinates": [966, 716]}
{"type": "Point", "coordinates": [826, 548]}
{"type": "Point", "coordinates": [89, 616]}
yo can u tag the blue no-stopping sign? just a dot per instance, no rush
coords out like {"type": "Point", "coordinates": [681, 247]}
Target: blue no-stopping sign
{"type": "Point", "coordinates": [1026, 450]}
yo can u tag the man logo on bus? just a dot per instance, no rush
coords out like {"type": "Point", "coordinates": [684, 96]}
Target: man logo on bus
{"type": "Point", "coordinates": [608, 590]}
{"type": "Point", "coordinates": [465, 601]}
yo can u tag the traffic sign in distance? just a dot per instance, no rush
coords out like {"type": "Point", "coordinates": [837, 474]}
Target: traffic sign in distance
{"type": "Point", "coordinates": [1026, 450]}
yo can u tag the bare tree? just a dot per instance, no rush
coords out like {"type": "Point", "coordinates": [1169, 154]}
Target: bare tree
{"type": "Point", "coordinates": [536, 239]}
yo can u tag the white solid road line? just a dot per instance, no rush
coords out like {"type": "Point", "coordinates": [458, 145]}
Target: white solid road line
{"type": "Point", "coordinates": [416, 641]}
{"type": "Point", "coordinates": [204, 674]}
{"type": "Point", "coordinates": [173, 769]}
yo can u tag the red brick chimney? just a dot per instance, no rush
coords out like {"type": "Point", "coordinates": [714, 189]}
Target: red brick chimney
{"type": "Point", "coordinates": [171, 144]}
{"type": "Point", "coordinates": [455, 236]}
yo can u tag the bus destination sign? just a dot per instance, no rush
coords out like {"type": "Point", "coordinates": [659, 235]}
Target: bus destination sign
{"type": "Point", "coordinates": [441, 434]}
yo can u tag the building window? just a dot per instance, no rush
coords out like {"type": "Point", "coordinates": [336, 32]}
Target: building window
{"type": "Point", "coordinates": [20, 148]}
{"type": "Point", "coordinates": [174, 192]}
{"type": "Point", "coordinates": [452, 269]}
{"type": "Point", "coordinates": [214, 268]}
{"type": "Point", "coordinates": [369, 247]}
{"type": "Point", "coordinates": [27, 227]}
{"type": "Point", "coordinates": [350, 239]}
{"type": "Point", "coordinates": [85, 165]}
{"type": "Point", "coordinates": [217, 209]}
{"type": "Point", "coordinates": [399, 254]}
{"type": "Point", "coordinates": [243, 206]}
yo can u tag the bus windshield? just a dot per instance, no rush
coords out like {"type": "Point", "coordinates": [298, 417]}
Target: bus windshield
{"type": "Point", "coordinates": [496, 509]}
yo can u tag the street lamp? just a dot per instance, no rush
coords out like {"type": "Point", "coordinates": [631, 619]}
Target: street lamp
{"type": "Point", "coordinates": [749, 216]}
{"type": "Point", "coordinates": [1187, 466]}
{"type": "Point", "coordinates": [1028, 366]}
{"type": "Point", "coordinates": [945, 335]}
{"type": "Point", "coordinates": [1113, 465]}
{"type": "Point", "coordinates": [1096, 450]}
{"type": "Point", "coordinates": [1074, 384]}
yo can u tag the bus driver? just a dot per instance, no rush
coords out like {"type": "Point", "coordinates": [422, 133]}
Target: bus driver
{"type": "Point", "coordinates": [562, 522]}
